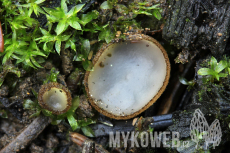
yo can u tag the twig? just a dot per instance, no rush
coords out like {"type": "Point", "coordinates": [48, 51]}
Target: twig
{"type": "Point", "coordinates": [159, 122]}
{"type": "Point", "coordinates": [87, 145]}
{"type": "Point", "coordinates": [87, 3]}
{"type": "Point", "coordinates": [27, 135]}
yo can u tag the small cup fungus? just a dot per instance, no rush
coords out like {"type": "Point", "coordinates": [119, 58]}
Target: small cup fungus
{"type": "Point", "coordinates": [55, 98]}
{"type": "Point", "coordinates": [128, 76]}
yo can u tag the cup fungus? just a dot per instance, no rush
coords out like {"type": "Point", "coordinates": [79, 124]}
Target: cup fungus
{"type": "Point", "coordinates": [128, 76]}
{"type": "Point", "coordinates": [55, 98]}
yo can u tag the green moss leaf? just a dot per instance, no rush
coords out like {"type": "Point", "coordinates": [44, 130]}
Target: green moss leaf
{"type": "Point", "coordinates": [78, 8]}
{"type": "Point", "coordinates": [106, 35]}
{"type": "Point", "coordinates": [141, 12]}
{"type": "Point", "coordinates": [86, 122]}
{"type": "Point", "coordinates": [56, 122]}
{"type": "Point", "coordinates": [85, 47]}
{"type": "Point", "coordinates": [143, 3]}
{"type": "Point", "coordinates": [71, 44]}
{"type": "Point", "coordinates": [79, 57]}
{"type": "Point", "coordinates": [3, 113]}
{"type": "Point", "coordinates": [1, 81]}
{"type": "Point", "coordinates": [27, 61]}
{"type": "Point", "coordinates": [44, 32]}
{"type": "Point", "coordinates": [86, 18]}
{"type": "Point", "coordinates": [27, 55]}
{"type": "Point", "coordinates": [72, 122]}
{"type": "Point", "coordinates": [74, 10]}
{"type": "Point", "coordinates": [183, 80]}
{"type": "Point", "coordinates": [40, 10]}
{"type": "Point", "coordinates": [153, 7]}
{"type": "Point", "coordinates": [87, 131]}
{"type": "Point", "coordinates": [34, 92]}
{"type": "Point", "coordinates": [29, 104]}
{"type": "Point", "coordinates": [47, 113]}
{"type": "Point", "coordinates": [45, 48]}
{"type": "Point", "coordinates": [35, 7]}
{"type": "Point", "coordinates": [221, 66]}
{"type": "Point", "coordinates": [109, 37]}
{"type": "Point", "coordinates": [157, 14]}
{"type": "Point", "coordinates": [75, 104]}
{"type": "Point", "coordinates": [35, 62]}
{"type": "Point", "coordinates": [54, 14]}
{"type": "Point", "coordinates": [213, 63]}
{"type": "Point", "coordinates": [63, 37]}
{"type": "Point", "coordinates": [58, 46]}
{"type": "Point", "coordinates": [12, 69]}
{"type": "Point", "coordinates": [223, 75]}
{"type": "Point", "coordinates": [122, 9]}
{"type": "Point", "coordinates": [217, 77]}
{"type": "Point", "coordinates": [6, 70]}
{"type": "Point", "coordinates": [105, 6]}
{"type": "Point", "coordinates": [87, 65]}
{"type": "Point", "coordinates": [61, 27]}
{"type": "Point", "coordinates": [74, 24]}
{"type": "Point", "coordinates": [39, 1]}
{"type": "Point", "coordinates": [206, 71]}
{"type": "Point", "coordinates": [53, 76]}
{"type": "Point", "coordinates": [64, 6]}
{"type": "Point", "coordinates": [37, 113]}
{"type": "Point", "coordinates": [102, 35]}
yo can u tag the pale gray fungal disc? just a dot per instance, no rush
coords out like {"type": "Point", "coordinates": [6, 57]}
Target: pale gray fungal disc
{"type": "Point", "coordinates": [55, 98]}
{"type": "Point", "coordinates": [128, 77]}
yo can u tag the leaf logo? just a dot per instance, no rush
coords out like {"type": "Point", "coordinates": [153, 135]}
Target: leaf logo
{"type": "Point", "coordinates": [199, 129]}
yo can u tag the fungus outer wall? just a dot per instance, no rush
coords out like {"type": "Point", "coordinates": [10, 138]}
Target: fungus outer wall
{"type": "Point", "coordinates": [127, 76]}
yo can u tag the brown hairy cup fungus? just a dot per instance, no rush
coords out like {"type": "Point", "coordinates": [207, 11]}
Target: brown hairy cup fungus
{"type": "Point", "coordinates": [128, 76]}
{"type": "Point", "coordinates": [55, 98]}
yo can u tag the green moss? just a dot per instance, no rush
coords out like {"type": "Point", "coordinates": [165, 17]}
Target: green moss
{"type": "Point", "coordinates": [214, 78]}
{"type": "Point", "coordinates": [187, 20]}
{"type": "Point", "coordinates": [3, 113]}
{"type": "Point", "coordinates": [215, 70]}
{"type": "Point", "coordinates": [28, 41]}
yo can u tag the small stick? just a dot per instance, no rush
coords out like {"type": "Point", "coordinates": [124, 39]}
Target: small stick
{"type": "Point", "coordinates": [159, 122]}
{"type": "Point", "coordinates": [86, 144]}
{"type": "Point", "coordinates": [27, 135]}
{"type": "Point", "coordinates": [1, 39]}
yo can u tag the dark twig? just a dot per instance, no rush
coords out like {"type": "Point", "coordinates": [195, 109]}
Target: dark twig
{"type": "Point", "coordinates": [159, 122]}
{"type": "Point", "coordinates": [27, 135]}
{"type": "Point", "coordinates": [87, 3]}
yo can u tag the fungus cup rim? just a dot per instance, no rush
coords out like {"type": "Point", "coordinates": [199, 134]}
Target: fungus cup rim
{"type": "Point", "coordinates": [47, 87]}
{"type": "Point", "coordinates": [133, 37]}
